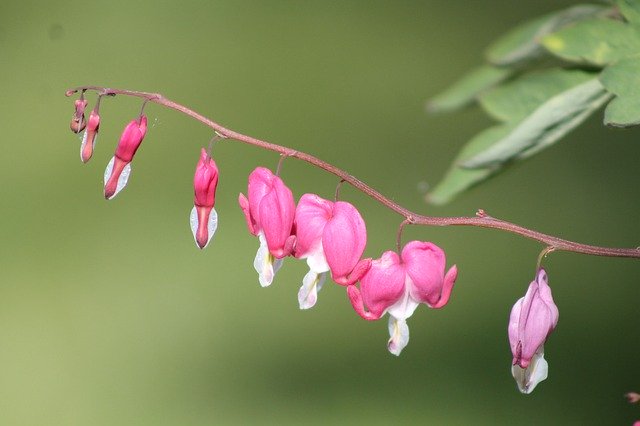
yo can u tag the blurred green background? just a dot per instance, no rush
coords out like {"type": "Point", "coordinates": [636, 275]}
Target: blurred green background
{"type": "Point", "coordinates": [109, 315]}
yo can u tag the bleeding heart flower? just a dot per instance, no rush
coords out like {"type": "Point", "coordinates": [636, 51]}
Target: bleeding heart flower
{"type": "Point", "coordinates": [532, 319]}
{"type": "Point", "coordinates": [269, 211]}
{"type": "Point", "coordinates": [118, 170]}
{"type": "Point", "coordinates": [204, 219]}
{"type": "Point", "coordinates": [332, 237]}
{"type": "Point", "coordinates": [398, 284]}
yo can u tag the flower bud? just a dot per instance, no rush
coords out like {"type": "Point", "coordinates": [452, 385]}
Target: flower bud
{"type": "Point", "coordinates": [532, 319]}
{"type": "Point", "coordinates": [117, 172]}
{"type": "Point", "coordinates": [90, 137]}
{"type": "Point", "coordinates": [78, 122]}
{"type": "Point", "coordinates": [204, 219]}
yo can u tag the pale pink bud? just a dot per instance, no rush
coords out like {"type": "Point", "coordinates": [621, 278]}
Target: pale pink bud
{"type": "Point", "coordinates": [344, 239]}
{"type": "Point", "coordinates": [90, 137]}
{"type": "Point", "coordinates": [532, 319]}
{"type": "Point", "coordinates": [269, 211]}
{"type": "Point", "coordinates": [77, 121]}
{"type": "Point", "coordinates": [204, 219]}
{"type": "Point", "coordinates": [632, 397]}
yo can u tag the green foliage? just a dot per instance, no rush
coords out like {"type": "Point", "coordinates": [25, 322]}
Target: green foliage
{"type": "Point", "coordinates": [595, 42]}
{"type": "Point", "coordinates": [466, 90]}
{"type": "Point", "coordinates": [623, 80]}
{"type": "Point", "coordinates": [521, 43]}
{"type": "Point", "coordinates": [630, 9]}
{"type": "Point", "coordinates": [536, 103]}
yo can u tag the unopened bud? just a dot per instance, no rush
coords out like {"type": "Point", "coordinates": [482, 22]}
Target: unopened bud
{"type": "Point", "coordinates": [78, 122]}
{"type": "Point", "coordinates": [116, 175]}
{"type": "Point", "coordinates": [90, 137]}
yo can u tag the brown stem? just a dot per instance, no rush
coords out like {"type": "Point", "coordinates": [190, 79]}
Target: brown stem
{"type": "Point", "coordinates": [482, 220]}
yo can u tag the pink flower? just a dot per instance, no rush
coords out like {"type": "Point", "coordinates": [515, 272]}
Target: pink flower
{"type": "Point", "coordinates": [332, 237]}
{"type": "Point", "coordinates": [77, 121]}
{"type": "Point", "coordinates": [90, 137]}
{"type": "Point", "coordinates": [632, 397]}
{"type": "Point", "coordinates": [204, 219]}
{"type": "Point", "coordinates": [532, 319]}
{"type": "Point", "coordinates": [117, 172]}
{"type": "Point", "coordinates": [269, 211]}
{"type": "Point", "coordinates": [398, 284]}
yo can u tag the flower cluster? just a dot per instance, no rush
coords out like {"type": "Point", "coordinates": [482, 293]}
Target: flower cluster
{"type": "Point", "coordinates": [118, 170]}
{"type": "Point", "coordinates": [332, 236]}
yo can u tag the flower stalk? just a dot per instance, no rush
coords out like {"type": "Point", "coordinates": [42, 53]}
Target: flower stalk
{"type": "Point", "coordinates": [482, 221]}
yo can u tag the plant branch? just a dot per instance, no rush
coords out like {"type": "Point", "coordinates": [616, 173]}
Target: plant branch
{"type": "Point", "coordinates": [481, 220]}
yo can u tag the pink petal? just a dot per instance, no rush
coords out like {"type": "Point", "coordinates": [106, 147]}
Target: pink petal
{"type": "Point", "coordinates": [244, 205]}
{"type": "Point", "coordinates": [260, 183]}
{"type": "Point", "coordinates": [312, 214]}
{"type": "Point", "coordinates": [205, 181]}
{"type": "Point", "coordinates": [383, 284]}
{"type": "Point", "coordinates": [425, 264]}
{"type": "Point", "coordinates": [276, 214]}
{"type": "Point", "coordinates": [344, 239]}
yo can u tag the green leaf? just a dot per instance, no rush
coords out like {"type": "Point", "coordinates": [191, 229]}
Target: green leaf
{"type": "Point", "coordinates": [630, 9]}
{"type": "Point", "coordinates": [546, 125]}
{"type": "Point", "coordinates": [517, 99]}
{"type": "Point", "coordinates": [467, 88]}
{"type": "Point", "coordinates": [623, 79]}
{"type": "Point", "coordinates": [522, 43]}
{"type": "Point", "coordinates": [595, 41]}
{"type": "Point", "coordinates": [458, 179]}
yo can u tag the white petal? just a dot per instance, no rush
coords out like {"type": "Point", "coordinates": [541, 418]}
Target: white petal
{"type": "Point", "coordinates": [211, 226]}
{"type": "Point", "coordinates": [265, 264]}
{"type": "Point", "coordinates": [405, 306]}
{"type": "Point", "coordinates": [316, 260]}
{"type": "Point", "coordinates": [537, 371]}
{"type": "Point", "coordinates": [399, 332]}
{"type": "Point", "coordinates": [84, 142]}
{"type": "Point", "coordinates": [311, 285]}
{"type": "Point", "coordinates": [122, 180]}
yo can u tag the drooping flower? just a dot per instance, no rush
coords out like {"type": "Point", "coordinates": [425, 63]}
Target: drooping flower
{"type": "Point", "coordinates": [204, 219]}
{"type": "Point", "coordinates": [90, 136]}
{"type": "Point", "coordinates": [332, 237]}
{"type": "Point", "coordinates": [118, 170]}
{"type": "Point", "coordinates": [398, 284]}
{"type": "Point", "coordinates": [269, 211]}
{"type": "Point", "coordinates": [78, 122]}
{"type": "Point", "coordinates": [532, 319]}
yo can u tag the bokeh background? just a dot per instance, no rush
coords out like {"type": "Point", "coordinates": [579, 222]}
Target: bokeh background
{"type": "Point", "coordinates": [109, 315]}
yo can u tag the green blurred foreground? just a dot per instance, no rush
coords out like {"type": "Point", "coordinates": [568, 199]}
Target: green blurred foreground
{"type": "Point", "coordinates": [109, 315]}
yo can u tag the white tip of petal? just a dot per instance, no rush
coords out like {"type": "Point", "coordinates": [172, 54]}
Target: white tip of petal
{"type": "Point", "coordinates": [122, 179]}
{"type": "Point", "coordinates": [537, 371]}
{"type": "Point", "coordinates": [317, 262]}
{"type": "Point", "coordinates": [399, 332]}
{"type": "Point", "coordinates": [311, 284]}
{"type": "Point", "coordinates": [84, 143]}
{"type": "Point", "coordinates": [265, 264]}
{"type": "Point", "coordinates": [212, 225]}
